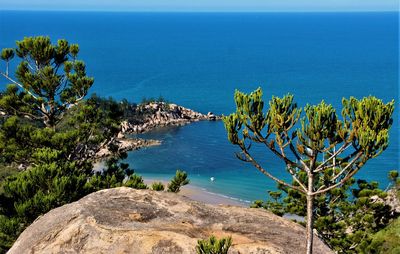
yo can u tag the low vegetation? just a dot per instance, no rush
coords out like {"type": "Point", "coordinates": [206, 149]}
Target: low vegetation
{"type": "Point", "coordinates": [179, 180]}
{"type": "Point", "coordinates": [158, 186]}
{"type": "Point", "coordinates": [214, 245]}
{"type": "Point", "coordinates": [387, 240]}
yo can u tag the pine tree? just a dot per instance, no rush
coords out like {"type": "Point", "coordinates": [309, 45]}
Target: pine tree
{"type": "Point", "coordinates": [157, 186]}
{"type": "Point", "coordinates": [51, 78]}
{"type": "Point", "coordinates": [179, 180]}
{"type": "Point", "coordinates": [362, 134]}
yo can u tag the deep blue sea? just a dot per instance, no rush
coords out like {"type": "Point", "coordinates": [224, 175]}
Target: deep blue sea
{"type": "Point", "coordinates": [199, 59]}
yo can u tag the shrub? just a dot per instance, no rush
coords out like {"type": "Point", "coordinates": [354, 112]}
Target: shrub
{"type": "Point", "coordinates": [157, 186]}
{"type": "Point", "coordinates": [213, 245]}
{"type": "Point", "coordinates": [179, 180]}
{"type": "Point", "coordinates": [136, 182]}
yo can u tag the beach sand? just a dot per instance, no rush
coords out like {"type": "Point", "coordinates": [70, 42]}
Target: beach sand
{"type": "Point", "coordinates": [201, 195]}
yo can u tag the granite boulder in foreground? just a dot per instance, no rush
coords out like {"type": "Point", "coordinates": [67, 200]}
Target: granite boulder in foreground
{"type": "Point", "coordinates": [124, 220]}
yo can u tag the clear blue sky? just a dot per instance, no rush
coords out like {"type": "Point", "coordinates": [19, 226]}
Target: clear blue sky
{"type": "Point", "coordinates": [202, 5]}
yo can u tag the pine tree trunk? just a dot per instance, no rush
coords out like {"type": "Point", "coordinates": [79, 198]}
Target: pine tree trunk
{"type": "Point", "coordinates": [310, 208]}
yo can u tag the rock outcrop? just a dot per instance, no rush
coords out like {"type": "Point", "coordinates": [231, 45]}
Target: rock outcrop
{"type": "Point", "coordinates": [124, 220]}
{"type": "Point", "coordinates": [393, 199]}
{"type": "Point", "coordinates": [145, 117]}
{"type": "Point", "coordinates": [125, 145]}
{"type": "Point", "coordinates": [159, 114]}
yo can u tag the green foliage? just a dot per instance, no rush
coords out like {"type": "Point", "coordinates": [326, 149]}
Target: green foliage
{"type": "Point", "coordinates": [214, 245]}
{"type": "Point", "coordinates": [49, 184]}
{"type": "Point", "coordinates": [152, 99]}
{"type": "Point", "coordinates": [51, 77]}
{"type": "Point", "coordinates": [345, 218]}
{"type": "Point", "coordinates": [274, 204]}
{"type": "Point", "coordinates": [10, 228]}
{"type": "Point", "coordinates": [362, 126]}
{"type": "Point", "coordinates": [135, 182]}
{"type": "Point", "coordinates": [111, 176]}
{"type": "Point", "coordinates": [179, 180]}
{"type": "Point", "coordinates": [157, 186]}
{"type": "Point", "coordinates": [386, 241]}
{"type": "Point", "coordinates": [370, 120]}
{"type": "Point", "coordinates": [320, 124]}
{"type": "Point", "coordinates": [6, 171]}
{"type": "Point", "coordinates": [394, 177]}
{"type": "Point", "coordinates": [78, 134]}
{"type": "Point", "coordinates": [16, 143]}
{"type": "Point", "coordinates": [7, 54]}
{"type": "Point", "coordinates": [16, 102]}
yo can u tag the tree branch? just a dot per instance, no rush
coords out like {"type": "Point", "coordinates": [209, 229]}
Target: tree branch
{"type": "Point", "coordinates": [294, 152]}
{"type": "Point", "coordinates": [7, 65]}
{"type": "Point", "coordinates": [25, 113]}
{"type": "Point", "coordinates": [347, 177]}
{"type": "Point", "coordinates": [347, 166]}
{"type": "Point", "coordinates": [28, 63]}
{"type": "Point", "coordinates": [262, 170]}
{"type": "Point", "coordinates": [18, 84]}
{"type": "Point", "coordinates": [344, 160]}
{"type": "Point", "coordinates": [341, 149]}
{"type": "Point", "coordinates": [281, 156]}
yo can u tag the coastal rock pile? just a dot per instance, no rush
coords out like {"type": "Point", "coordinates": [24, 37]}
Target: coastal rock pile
{"type": "Point", "coordinates": [126, 144]}
{"type": "Point", "coordinates": [124, 220]}
{"type": "Point", "coordinates": [145, 117]}
{"type": "Point", "coordinates": [392, 199]}
{"type": "Point", "coordinates": [159, 114]}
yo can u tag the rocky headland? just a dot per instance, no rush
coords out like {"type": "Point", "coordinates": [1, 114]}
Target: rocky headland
{"type": "Point", "coordinates": [148, 116]}
{"type": "Point", "coordinates": [158, 114]}
{"type": "Point", "coordinates": [125, 220]}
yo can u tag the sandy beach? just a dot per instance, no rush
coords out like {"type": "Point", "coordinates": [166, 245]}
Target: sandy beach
{"type": "Point", "coordinates": [202, 195]}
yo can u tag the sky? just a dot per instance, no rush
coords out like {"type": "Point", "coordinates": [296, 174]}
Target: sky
{"type": "Point", "coordinates": [202, 5]}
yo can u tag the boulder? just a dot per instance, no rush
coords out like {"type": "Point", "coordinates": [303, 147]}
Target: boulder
{"type": "Point", "coordinates": [173, 107]}
{"type": "Point", "coordinates": [124, 220]}
{"type": "Point", "coordinates": [392, 199]}
{"type": "Point", "coordinates": [211, 116]}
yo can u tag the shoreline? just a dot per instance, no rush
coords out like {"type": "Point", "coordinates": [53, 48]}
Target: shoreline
{"type": "Point", "coordinates": [192, 192]}
{"type": "Point", "coordinates": [150, 116]}
{"type": "Point", "coordinates": [200, 194]}
{"type": "Point", "coordinates": [126, 144]}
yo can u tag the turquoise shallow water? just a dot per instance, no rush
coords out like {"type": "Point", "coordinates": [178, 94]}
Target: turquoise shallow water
{"type": "Point", "coordinates": [197, 60]}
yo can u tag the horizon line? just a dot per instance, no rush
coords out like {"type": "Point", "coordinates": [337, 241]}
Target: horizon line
{"type": "Point", "coordinates": [202, 11]}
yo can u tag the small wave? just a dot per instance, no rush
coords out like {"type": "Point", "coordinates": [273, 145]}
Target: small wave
{"type": "Point", "coordinates": [223, 195]}
{"type": "Point", "coordinates": [227, 197]}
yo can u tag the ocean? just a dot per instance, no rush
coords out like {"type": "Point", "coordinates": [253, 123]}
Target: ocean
{"type": "Point", "coordinates": [198, 59]}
